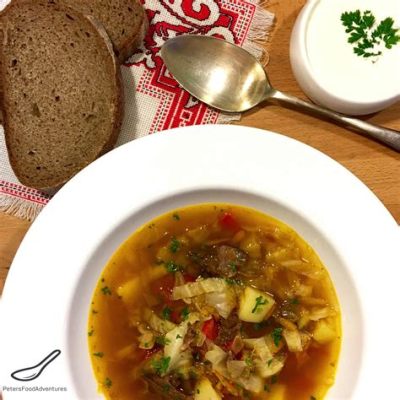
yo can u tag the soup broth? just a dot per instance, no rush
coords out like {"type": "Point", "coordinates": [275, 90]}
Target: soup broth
{"type": "Point", "coordinates": [211, 302]}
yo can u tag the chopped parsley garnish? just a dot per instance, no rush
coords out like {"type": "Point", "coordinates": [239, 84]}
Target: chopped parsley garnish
{"type": "Point", "coordinates": [176, 217]}
{"type": "Point", "coordinates": [99, 354]}
{"type": "Point", "coordinates": [108, 383]}
{"type": "Point", "coordinates": [175, 245]}
{"type": "Point", "coordinates": [185, 313]}
{"type": "Point", "coordinates": [277, 336]}
{"type": "Point", "coordinates": [94, 311]}
{"type": "Point", "coordinates": [260, 301]}
{"type": "Point", "coordinates": [269, 362]}
{"type": "Point", "coordinates": [162, 340]}
{"type": "Point", "coordinates": [249, 361]}
{"type": "Point", "coordinates": [231, 281]}
{"type": "Point", "coordinates": [232, 266]}
{"type": "Point", "coordinates": [179, 337]}
{"type": "Point", "coordinates": [106, 290]}
{"type": "Point", "coordinates": [172, 267]}
{"type": "Point", "coordinates": [90, 333]}
{"type": "Point", "coordinates": [161, 366]}
{"type": "Point", "coordinates": [294, 300]}
{"type": "Point", "coordinates": [274, 379]}
{"type": "Point", "coordinates": [365, 36]}
{"type": "Point", "coordinates": [267, 388]}
{"type": "Point", "coordinates": [166, 313]}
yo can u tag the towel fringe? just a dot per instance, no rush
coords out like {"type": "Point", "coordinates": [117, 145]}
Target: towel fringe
{"type": "Point", "coordinates": [259, 32]}
{"type": "Point", "coordinates": [19, 208]}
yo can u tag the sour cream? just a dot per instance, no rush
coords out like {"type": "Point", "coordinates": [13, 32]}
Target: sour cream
{"type": "Point", "coordinates": [328, 69]}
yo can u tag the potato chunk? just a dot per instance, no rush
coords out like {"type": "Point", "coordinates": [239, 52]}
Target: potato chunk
{"type": "Point", "coordinates": [205, 391]}
{"type": "Point", "coordinates": [324, 332]}
{"type": "Point", "coordinates": [255, 305]}
{"type": "Point", "coordinates": [129, 291]}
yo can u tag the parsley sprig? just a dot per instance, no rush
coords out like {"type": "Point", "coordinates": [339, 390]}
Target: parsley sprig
{"type": "Point", "coordinates": [365, 36]}
{"type": "Point", "coordinates": [260, 301]}
{"type": "Point", "coordinates": [277, 336]}
{"type": "Point", "coordinates": [161, 365]}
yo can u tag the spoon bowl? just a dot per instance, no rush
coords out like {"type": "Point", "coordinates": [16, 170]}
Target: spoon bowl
{"type": "Point", "coordinates": [216, 72]}
{"type": "Point", "coordinates": [230, 79]}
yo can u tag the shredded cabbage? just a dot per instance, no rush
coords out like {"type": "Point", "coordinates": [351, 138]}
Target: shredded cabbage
{"type": "Point", "coordinates": [199, 287]}
{"type": "Point", "coordinates": [218, 294]}
{"type": "Point", "coordinates": [218, 359]}
{"type": "Point", "coordinates": [183, 363]}
{"type": "Point", "coordinates": [236, 368]}
{"type": "Point", "coordinates": [216, 356]}
{"type": "Point", "coordinates": [260, 347]}
{"type": "Point", "coordinates": [270, 368]}
{"type": "Point", "coordinates": [156, 323]}
{"type": "Point", "coordinates": [293, 340]}
{"type": "Point", "coordinates": [302, 268]}
{"type": "Point", "coordinates": [253, 383]}
{"type": "Point", "coordinates": [174, 343]}
{"type": "Point", "coordinates": [320, 313]}
{"type": "Point", "coordinates": [224, 302]}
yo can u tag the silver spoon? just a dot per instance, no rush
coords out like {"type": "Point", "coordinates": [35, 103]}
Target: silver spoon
{"type": "Point", "coordinates": [230, 79]}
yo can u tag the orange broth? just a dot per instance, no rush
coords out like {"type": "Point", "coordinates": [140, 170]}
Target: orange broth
{"type": "Point", "coordinates": [142, 262]}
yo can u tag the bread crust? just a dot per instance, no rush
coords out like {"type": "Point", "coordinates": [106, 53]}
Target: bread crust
{"type": "Point", "coordinates": [127, 49]}
{"type": "Point", "coordinates": [124, 47]}
{"type": "Point", "coordinates": [119, 100]}
{"type": "Point", "coordinates": [116, 102]}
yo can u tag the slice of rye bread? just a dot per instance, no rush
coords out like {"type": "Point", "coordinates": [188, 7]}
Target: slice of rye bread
{"type": "Point", "coordinates": [62, 96]}
{"type": "Point", "coordinates": [124, 20]}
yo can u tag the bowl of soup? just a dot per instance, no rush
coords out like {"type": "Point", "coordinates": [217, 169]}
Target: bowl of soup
{"type": "Point", "coordinates": [211, 262]}
{"type": "Point", "coordinates": [211, 302]}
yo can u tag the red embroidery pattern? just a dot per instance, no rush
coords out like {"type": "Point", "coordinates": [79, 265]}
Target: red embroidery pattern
{"type": "Point", "coordinates": [226, 19]}
{"type": "Point", "coordinates": [23, 192]}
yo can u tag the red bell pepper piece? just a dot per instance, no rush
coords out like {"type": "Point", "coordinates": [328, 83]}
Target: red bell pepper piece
{"type": "Point", "coordinates": [210, 329]}
{"type": "Point", "coordinates": [229, 222]}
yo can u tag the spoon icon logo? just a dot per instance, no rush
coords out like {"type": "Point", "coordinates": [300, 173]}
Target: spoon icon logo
{"type": "Point", "coordinates": [31, 373]}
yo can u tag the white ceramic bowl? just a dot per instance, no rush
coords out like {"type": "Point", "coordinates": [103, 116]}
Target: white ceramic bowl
{"type": "Point", "coordinates": [49, 287]}
{"type": "Point", "coordinates": [322, 85]}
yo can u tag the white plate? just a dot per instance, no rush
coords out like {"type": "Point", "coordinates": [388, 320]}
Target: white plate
{"type": "Point", "coordinates": [48, 291]}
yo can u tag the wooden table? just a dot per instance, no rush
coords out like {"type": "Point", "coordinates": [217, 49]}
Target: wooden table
{"type": "Point", "coordinates": [377, 166]}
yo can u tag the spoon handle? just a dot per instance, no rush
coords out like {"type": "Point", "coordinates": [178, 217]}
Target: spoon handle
{"type": "Point", "coordinates": [387, 136]}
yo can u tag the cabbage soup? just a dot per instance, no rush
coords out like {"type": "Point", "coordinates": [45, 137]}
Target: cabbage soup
{"type": "Point", "coordinates": [212, 302]}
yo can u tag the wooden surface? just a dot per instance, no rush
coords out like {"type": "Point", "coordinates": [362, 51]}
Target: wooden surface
{"type": "Point", "coordinates": [377, 166]}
